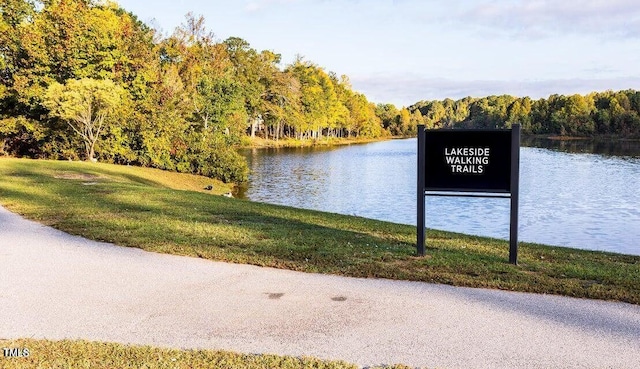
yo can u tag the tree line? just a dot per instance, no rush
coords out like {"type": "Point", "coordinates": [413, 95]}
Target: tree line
{"type": "Point", "coordinates": [85, 79]}
{"type": "Point", "coordinates": [598, 113]}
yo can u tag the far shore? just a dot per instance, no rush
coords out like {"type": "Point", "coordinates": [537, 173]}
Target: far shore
{"type": "Point", "coordinates": [262, 143]}
{"type": "Point", "coordinates": [581, 138]}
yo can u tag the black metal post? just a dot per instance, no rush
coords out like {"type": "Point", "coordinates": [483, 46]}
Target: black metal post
{"type": "Point", "coordinates": [515, 192]}
{"type": "Point", "coordinates": [421, 236]}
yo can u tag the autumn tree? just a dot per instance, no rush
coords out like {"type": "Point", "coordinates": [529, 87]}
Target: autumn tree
{"type": "Point", "coordinates": [321, 108]}
{"type": "Point", "coordinates": [14, 15]}
{"type": "Point", "coordinates": [280, 107]}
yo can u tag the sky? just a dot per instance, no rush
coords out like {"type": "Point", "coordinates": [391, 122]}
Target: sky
{"type": "Point", "coordinates": [405, 51]}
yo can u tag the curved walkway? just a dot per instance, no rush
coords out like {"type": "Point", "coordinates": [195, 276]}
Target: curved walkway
{"type": "Point", "coordinates": [56, 286]}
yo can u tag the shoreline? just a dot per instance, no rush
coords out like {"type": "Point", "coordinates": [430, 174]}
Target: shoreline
{"type": "Point", "coordinates": [262, 143]}
{"type": "Point", "coordinates": [133, 208]}
{"type": "Point", "coordinates": [580, 138]}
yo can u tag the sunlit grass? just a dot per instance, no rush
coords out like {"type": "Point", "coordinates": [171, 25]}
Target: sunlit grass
{"type": "Point", "coordinates": [96, 355]}
{"type": "Point", "coordinates": [146, 208]}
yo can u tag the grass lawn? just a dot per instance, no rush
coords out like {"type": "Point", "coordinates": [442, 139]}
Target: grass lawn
{"type": "Point", "coordinates": [96, 355]}
{"type": "Point", "coordinates": [171, 213]}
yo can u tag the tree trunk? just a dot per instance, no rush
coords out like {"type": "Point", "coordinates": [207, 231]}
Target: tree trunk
{"type": "Point", "coordinates": [90, 150]}
{"type": "Point", "coordinates": [253, 128]}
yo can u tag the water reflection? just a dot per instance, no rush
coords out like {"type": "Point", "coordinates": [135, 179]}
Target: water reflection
{"type": "Point", "coordinates": [579, 200]}
{"type": "Point", "coordinates": [601, 146]}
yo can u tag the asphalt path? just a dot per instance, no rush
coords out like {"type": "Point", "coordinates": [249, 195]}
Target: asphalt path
{"type": "Point", "coordinates": [54, 285]}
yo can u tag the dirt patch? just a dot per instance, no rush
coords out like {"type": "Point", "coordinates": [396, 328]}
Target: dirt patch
{"type": "Point", "coordinates": [73, 175]}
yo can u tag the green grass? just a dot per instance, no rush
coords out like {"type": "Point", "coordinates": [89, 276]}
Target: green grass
{"type": "Point", "coordinates": [146, 208]}
{"type": "Point", "coordinates": [85, 354]}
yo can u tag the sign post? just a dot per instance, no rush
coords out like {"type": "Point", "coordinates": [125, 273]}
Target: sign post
{"type": "Point", "coordinates": [470, 163]}
{"type": "Point", "coordinates": [515, 194]}
{"type": "Point", "coordinates": [421, 200]}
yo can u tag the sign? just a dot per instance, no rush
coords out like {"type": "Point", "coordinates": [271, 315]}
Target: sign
{"type": "Point", "coordinates": [468, 161]}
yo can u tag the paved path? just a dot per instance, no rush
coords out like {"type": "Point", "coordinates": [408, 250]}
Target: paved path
{"type": "Point", "coordinates": [56, 286]}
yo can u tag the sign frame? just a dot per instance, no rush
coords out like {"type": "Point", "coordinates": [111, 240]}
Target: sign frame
{"type": "Point", "coordinates": [469, 191]}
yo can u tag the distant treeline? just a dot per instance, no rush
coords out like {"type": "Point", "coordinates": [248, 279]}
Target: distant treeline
{"type": "Point", "coordinates": [84, 79]}
{"type": "Point", "coordinates": [598, 113]}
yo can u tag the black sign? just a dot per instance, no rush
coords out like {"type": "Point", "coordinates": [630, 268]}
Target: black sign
{"type": "Point", "coordinates": [468, 160]}
{"type": "Point", "coordinates": [453, 161]}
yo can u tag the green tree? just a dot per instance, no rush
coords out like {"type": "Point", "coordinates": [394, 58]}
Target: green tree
{"type": "Point", "coordinates": [247, 68]}
{"type": "Point", "coordinates": [572, 115]}
{"type": "Point", "coordinates": [387, 113]}
{"type": "Point", "coordinates": [519, 112]}
{"type": "Point", "coordinates": [220, 105]}
{"type": "Point", "coordinates": [85, 105]}
{"type": "Point", "coordinates": [435, 115]}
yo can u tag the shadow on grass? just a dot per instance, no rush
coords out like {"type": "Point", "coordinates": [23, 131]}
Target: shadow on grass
{"type": "Point", "coordinates": [39, 168]}
{"type": "Point", "coordinates": [139, 213]}
{"type": "Point", "coordinates": [293, 238]}
{"type": "Point", "coordinates": [257, 233]}
{"type": "Point", "coordinates": [117, 173]}
{"type": "Point", "coordinates": [17, 199]}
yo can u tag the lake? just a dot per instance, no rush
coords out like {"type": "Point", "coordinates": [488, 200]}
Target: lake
{"type": "Point", "coordinates": [577, 194]}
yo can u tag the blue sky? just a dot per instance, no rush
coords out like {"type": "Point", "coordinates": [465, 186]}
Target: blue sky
{"type": "Point", "coordinates": [404, 51]}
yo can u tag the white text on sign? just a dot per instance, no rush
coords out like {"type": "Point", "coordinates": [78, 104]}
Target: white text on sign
{"type": "Point", "coordinates": [467, 160]}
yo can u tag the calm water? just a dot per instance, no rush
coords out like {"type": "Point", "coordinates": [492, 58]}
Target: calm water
{"type": "Point", "coordinates": [580, 200]}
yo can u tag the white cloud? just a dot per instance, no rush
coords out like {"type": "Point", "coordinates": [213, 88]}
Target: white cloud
{"type": "Point", "coordinates": [409, 89]}
{"type": "Point", "coordinates": [257, 5]}
{"type": "Point", "coordinates": [546, 18]}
